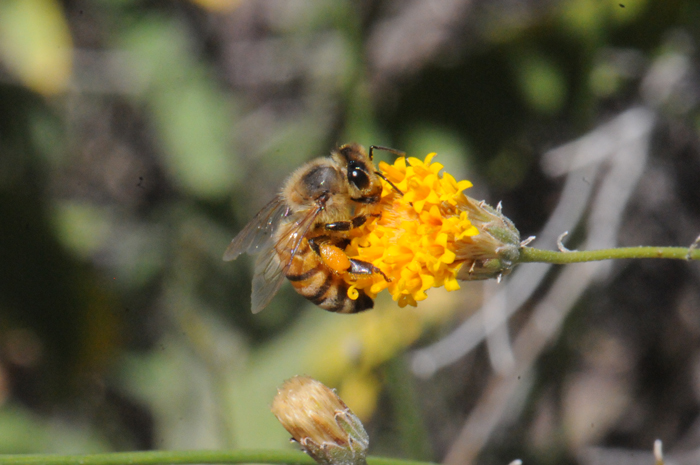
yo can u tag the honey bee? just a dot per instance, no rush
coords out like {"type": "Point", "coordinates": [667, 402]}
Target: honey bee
{"type": "Point", "coordinates": [303, 232]}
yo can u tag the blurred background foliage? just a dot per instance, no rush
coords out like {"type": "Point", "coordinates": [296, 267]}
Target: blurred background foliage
{"type": "Point", "coordinates": [138, 136]}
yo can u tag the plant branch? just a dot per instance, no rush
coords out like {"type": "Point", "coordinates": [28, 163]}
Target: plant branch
{"type": "Point", "coordinates": [183, 457]}
{"type": "Point", "coordinates": [529, 254]}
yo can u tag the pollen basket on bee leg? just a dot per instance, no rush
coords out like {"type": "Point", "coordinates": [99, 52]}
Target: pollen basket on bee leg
{"type": "Point", "coordinates": [334, 257]}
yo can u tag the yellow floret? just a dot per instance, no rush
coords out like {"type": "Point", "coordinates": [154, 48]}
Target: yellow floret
{"type": "Point", "coordinates": [425, 237]}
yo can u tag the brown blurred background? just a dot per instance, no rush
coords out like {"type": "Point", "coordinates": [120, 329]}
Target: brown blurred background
{"type": "Point", "coordinates": [138, 136]}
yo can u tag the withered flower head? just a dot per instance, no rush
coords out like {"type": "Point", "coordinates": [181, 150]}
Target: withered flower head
{"type": "Point", "coordinates": [320, 422]}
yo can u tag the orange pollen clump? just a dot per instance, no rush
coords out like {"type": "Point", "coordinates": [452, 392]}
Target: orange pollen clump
{"type": "Point", "coordinates": [334, 257]}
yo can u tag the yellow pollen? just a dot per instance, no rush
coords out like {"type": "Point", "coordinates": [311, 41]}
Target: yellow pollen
{"type": "Point", "coordinates": [417, 238]}
{"type": "Point", "coordinates": [353, 293]}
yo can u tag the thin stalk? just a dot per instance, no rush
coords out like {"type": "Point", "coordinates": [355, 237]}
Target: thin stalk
{"type": "Point", "coordinates": [528, 254]}
{"type": "Point", "coordinates": [183, 457]}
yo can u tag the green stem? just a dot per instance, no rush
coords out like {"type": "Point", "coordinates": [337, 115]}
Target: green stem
{"type": "Point", "coordinates": [528, 254]}
{"type": "Point", "coordinates": [185, 457]}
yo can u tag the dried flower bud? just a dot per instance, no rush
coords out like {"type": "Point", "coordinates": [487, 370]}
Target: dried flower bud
{"type": "Point", "coordinates": [320, 422]}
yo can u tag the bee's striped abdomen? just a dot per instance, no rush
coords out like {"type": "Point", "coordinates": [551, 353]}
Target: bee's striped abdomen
{"type": "Point", "coordinates": [321, 285]}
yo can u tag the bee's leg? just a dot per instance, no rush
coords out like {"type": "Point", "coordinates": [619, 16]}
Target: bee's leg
{"type": "Point", "coordinates": [361, 267]}
{"type": "Point", "coordinates": [336, 259]}
{"type": "Point", "coordinates": [316, 242]}
{"type": "Point", "coordinates": [332, 256]}
{"type": "Point", "coordinates": [348, 225]}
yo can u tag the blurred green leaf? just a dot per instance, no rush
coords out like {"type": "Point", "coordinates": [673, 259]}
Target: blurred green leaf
{"type": "Point", "coordinates": [193, 117]}
{"type": "Point", "coordinates": [177, 389]}
{"type": "Point", "coordinates": [81, 226]}
{"type": "Point", "coordinates": [217, 5]}
{"type": "Point", "coordinates": [35, 44]}
{"type": "Point", "coordinates": [23, 432]}
{"type": "Point", "coordinates": [541, 82]}
{"type": "Point", "coordinates": [584, 18]}
{"type": "Point", "coordinates": [626, 11]}
{"type": "Point", "coordinates": [508, 169]}
{"type": "Point", "coordinates": [590, 18]}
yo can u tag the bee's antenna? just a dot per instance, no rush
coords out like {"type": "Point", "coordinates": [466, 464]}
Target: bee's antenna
{"type": "Point", "coordinates": [372, 148]}
{"type": "Point", "coordinates": [391, 183]}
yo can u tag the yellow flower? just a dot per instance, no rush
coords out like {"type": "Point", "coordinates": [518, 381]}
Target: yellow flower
{"type": "Point", "coordinates": [430, 234]}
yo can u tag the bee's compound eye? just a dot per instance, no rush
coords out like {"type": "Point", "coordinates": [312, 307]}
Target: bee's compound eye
{"type": "Point", "coordinates": [358, 176]}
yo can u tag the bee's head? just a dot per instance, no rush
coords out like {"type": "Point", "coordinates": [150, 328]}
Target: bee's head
{"type": "Point", "coordinates": [363, 183]}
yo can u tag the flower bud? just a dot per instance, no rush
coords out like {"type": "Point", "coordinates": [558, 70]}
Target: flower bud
{"type": "Point", "coordinates": [495, 250]}
{"type": "Point", "coordinates": [320, 422]}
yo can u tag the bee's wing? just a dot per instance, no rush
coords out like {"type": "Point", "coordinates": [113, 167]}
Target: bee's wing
{"type": "Point", "coordinates": [269, 269]}
{"type": "Point", "coordinates": [259, 231]}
